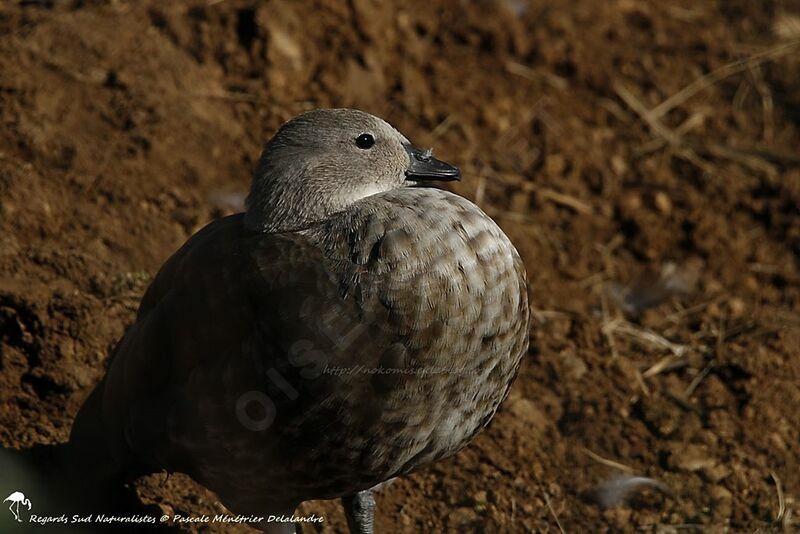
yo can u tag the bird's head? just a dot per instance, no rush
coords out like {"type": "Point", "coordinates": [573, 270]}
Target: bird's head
{"type": "Point", "coordinates": [324, 160]}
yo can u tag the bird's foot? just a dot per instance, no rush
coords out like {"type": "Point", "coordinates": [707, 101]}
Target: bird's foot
{"type": "Point", "coordinates": [360, 512]}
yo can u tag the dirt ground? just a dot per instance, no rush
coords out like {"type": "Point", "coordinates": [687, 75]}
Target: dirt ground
{"type": "Point", "coordinates": [644, 157]}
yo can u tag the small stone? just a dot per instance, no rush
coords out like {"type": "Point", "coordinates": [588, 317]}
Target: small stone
{"type": "Point", "coordinates": [662, 416]}
{"type": "Point", "coordinates": [713, 286]}
{"type": "Point", "coordinates": [575, 365]}
{"type": "Point", "coordinates": [165, 509]}
{"type": "Point", "coordinates": [84, 376]}
{"type": "Point", "coordinates": [663, 203]}
{"type": "Point", "coordinates": [692, 457]}
{"type": "Point", "coordinates": [555, 164]}
{"type": "Point", "coordinates": [527, 412]}
{"type": "Point", "coordinates": [520, 202]}
{"type": "Point", "coordinates": [737, 307]}
{"type": "Point", "coordinates": [715, 473]}
{"type": "Point", "coordinates": [461, 517]}
{"type": "Point", "coordinates": [66, 348]}
{"type": "Point", "coordinates": [503, 123]}
{"type": "Point", "coordinates": [620, 516]}
{"type": "Point", "coordinates": [185, 217]}
{"type": "Point", "coordinates": [619, 166]}
{"type": "Point", "coordinates": [7, 209]}
{"type": "Point", "coordinates": [696, 360]}
{"type": "Point", "coordinates": [751, 283]}
{"type": "Point", "coordinates": [778, 441]}
{"type": "Point", "coordinates": [632, 201]}
{"type": "Point", "coordinates": [723, 502]}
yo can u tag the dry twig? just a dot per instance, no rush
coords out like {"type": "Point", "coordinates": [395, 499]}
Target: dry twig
{"type": "Point", "coordinates": [719, 74]}
{"type": "Point", "coordinates": [666, 363]}
{"type": "Point", "coordinates": [699, 378]}
{"type": "Point", "coordinates": [669, 136]}
{"type": "Point", "coordinates": [689, 149]}
{"type": "Point", "coordinates": [550, 507]}
{"type": "Point", "coordinates": [781, 498]}
{"type": "Point", "coordinates": [528, 73]}
{"type": "Point", "coordinates": [542, 316]}
{"type": "Point", "coordinates": [620, 326]}
{"type": "Point", "coordinates": [608, 332]}
{"type": "Point", "coordinates": [235, 96]}
{"type": "Point", "coordinates": [565, 200]}
{"type": "Point", "coordinates": [605, 461]}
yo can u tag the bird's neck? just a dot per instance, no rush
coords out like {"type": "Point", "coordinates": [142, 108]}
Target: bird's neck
{"type": "Point", "coordinates": [276, 217]}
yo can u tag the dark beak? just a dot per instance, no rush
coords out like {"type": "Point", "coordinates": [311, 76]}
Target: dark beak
{"type": "Point", "coordinates": [425, 167]}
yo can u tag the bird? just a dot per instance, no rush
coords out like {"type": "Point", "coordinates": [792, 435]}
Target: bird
{"type": "Point", "coordinates": [354, 324]}
{"type": "Point", "coordinates": [16, 499]}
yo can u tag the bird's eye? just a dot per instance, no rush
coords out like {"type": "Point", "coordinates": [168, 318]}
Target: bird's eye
{"type": "Point", "coordinates": [365, 141]}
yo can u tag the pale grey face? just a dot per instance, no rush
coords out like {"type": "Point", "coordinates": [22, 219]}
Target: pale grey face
{"type": "Point", "coordinates": [324, 160]}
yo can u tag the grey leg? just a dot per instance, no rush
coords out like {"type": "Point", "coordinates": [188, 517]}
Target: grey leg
{"type": "Point", "coordinates": [360, 512]}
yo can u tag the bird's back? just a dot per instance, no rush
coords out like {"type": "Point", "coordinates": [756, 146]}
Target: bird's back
{"type": "Point", "coordinates": [276, 368]}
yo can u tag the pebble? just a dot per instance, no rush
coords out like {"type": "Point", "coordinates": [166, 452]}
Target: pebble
{"type": "Point", "coordinates": [461, 517]}
{"type": "Point", "coordinates": [663, 203]}
{"type": "Point", "coordinates": [692, 457]}
{"type": "Point", "coordinates": [619, 166]}
{"type": "Point", "coordinates": [555, 164]}
{"type": "Point", "coordinates": [723, 502]}
{"type": "Point", "coordinates": [737, 307]}
{"type": "Point", "coordinates": [528, 412]}
{"type": "Point", "coordinates": [632, 201]}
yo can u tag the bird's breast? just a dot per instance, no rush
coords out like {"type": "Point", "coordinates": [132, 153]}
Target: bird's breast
{"type": "Point", "coordinates": [445, 290]}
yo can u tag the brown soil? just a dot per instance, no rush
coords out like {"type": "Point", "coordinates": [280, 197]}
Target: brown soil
{"type": "Point", "coordinates": [125, 126]}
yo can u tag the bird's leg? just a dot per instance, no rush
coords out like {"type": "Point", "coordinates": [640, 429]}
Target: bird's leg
{"type": "Point", "coordinates": [360, 512]}
{"type": "Point", "coordinates": [271, 527]}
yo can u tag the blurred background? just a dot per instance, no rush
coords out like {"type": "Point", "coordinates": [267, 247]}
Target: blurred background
{"type": "Point", "coordinates": [643, 156]}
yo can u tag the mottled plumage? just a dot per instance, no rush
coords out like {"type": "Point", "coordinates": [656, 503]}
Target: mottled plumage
{"type": "Point", "coordinates": [277, 367]}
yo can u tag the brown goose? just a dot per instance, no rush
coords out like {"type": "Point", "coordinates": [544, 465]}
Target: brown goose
{"type": "Point", "coordinates": [352, 326]}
